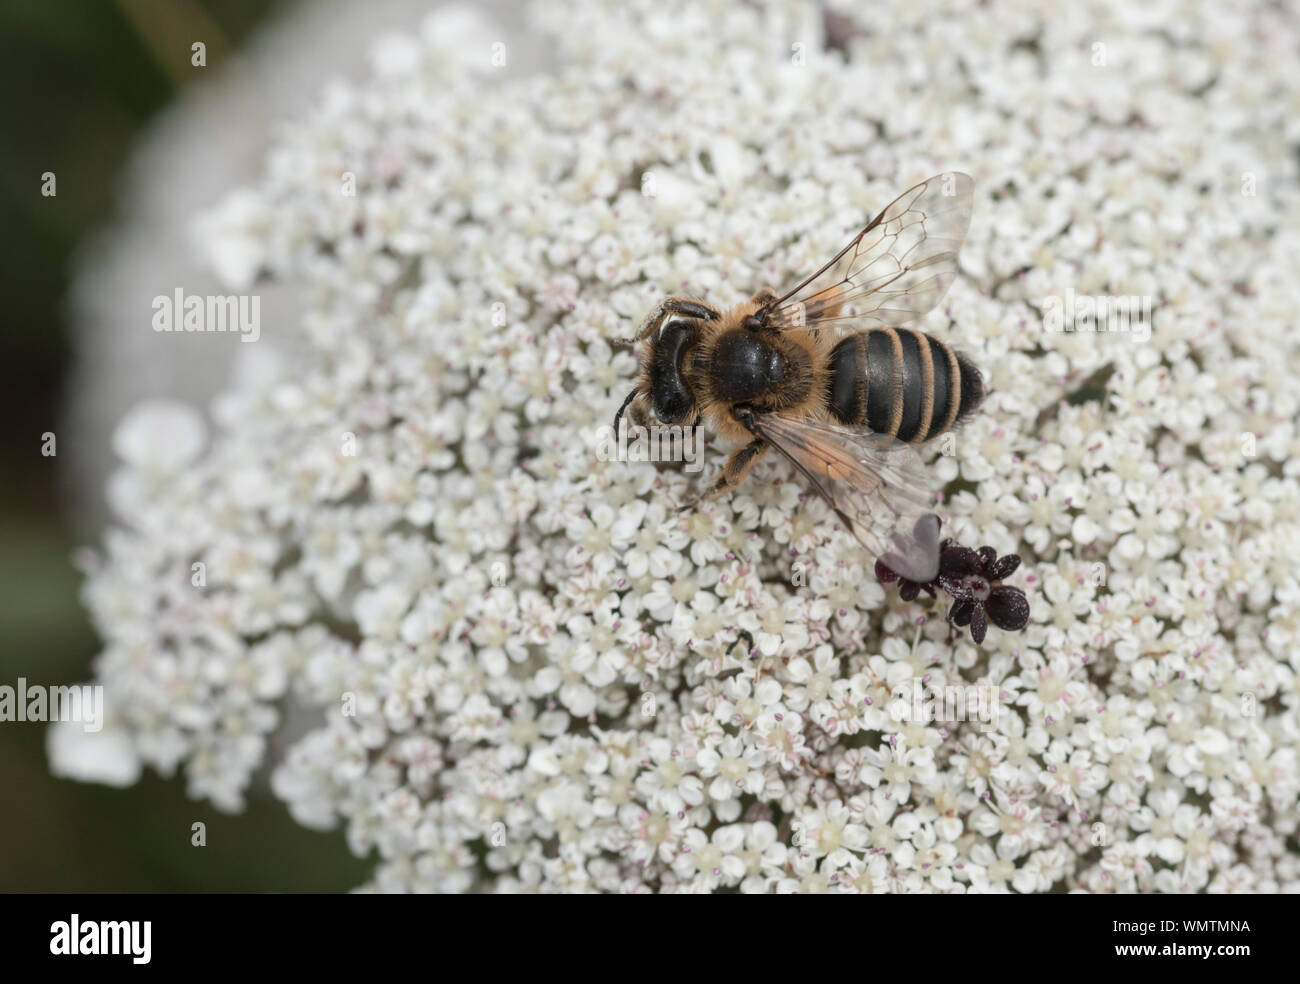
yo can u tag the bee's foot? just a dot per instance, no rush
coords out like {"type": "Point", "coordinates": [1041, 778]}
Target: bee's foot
{"type": "Point", "coordinates": [742, 636]}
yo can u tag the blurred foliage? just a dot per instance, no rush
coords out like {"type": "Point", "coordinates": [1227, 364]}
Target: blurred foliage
{"type": "Point", "coordinates": [82, 78]}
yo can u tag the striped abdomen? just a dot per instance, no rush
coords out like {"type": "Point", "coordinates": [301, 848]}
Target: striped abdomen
{"type": "Point", "coordinates": [902, 383]}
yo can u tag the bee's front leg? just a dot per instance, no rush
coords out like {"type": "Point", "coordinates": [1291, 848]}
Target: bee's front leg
{"type": "Point", "coordinates": [684, 306]}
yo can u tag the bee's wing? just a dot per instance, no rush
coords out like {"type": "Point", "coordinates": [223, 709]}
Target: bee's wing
{"type": "Point", "coordinates": [877, 486]}
{"type": "Point", "coordinates": [894, 270]}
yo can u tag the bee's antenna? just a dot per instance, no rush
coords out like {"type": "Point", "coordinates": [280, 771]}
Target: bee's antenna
{"type": "Point", "coordinates": [618, 415]}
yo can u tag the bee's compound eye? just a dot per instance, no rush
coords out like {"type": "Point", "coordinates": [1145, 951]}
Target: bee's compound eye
{"type": "Point", "coordinates": [671, 402]}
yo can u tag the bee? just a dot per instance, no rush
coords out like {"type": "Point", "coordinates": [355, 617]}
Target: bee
{"type": "Point", "coordinates": [828, 375]}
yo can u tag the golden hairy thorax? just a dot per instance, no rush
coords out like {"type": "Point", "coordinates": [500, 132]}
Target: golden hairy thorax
{"type": "Point", "coordinates": [806, 351]}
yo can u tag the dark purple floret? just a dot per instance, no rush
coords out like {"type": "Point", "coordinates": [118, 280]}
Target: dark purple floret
{"type": "Point", "coordinates": [973, 578]}
{"type": "Point", "coordinates": [907, 590]}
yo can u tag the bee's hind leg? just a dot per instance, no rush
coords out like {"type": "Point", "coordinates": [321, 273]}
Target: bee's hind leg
{"type": "Point", "coordinates": [749, 650]}
{"type": "Point", "coordinates": [746, 638]}
{"type": "Point", "coordinates": [737, 468]}
{"type": "Point", "coordinates": [733, 472]}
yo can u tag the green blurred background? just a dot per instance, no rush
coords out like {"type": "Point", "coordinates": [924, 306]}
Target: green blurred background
{"type": "Point", "coordinates": [81, 78]}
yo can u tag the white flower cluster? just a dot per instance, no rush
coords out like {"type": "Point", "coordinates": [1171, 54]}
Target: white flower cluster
{"type": "Point", "coordinates": [502, 662]}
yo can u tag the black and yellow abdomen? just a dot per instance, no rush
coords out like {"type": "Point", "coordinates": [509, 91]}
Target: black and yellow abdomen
{"type": "Point", "coordinates": [901, 382]}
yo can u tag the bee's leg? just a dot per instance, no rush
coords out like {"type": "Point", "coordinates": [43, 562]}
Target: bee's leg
{"type": "Point", "coordinates": [737, 467]}
{"type": "Point", "coordinates": [744, 636]}
{"type": "Point", "coordinates": [765, 296]}
{"type": "Point", "coordinates": [674, 305]}
{"type": "Point", "coordinates": [733, 472]}
{"type": "Point", "coordinates": [749, 651]}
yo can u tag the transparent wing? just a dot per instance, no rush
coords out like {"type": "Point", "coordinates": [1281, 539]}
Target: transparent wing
{"type": "Point", "coordinates": [894, 270]}
{"type": "Point", "coordinates": [878, 486]}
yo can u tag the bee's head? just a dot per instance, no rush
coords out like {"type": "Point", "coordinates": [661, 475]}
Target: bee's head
{"type": "Point", "coordinates": [662, 380]}
{"type": "Point", "coordinates": [669, 392]}
{"type": "Point", "coordinates": [746, 365]}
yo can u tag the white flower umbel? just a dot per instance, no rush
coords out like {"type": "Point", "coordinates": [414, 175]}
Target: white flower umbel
{"type": "Point", "coordinates": [514, 659]}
